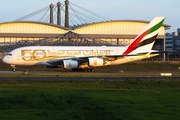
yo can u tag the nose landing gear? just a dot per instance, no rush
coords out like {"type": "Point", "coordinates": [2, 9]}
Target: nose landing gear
{"type": "Point", "coordinates": [13, 68]}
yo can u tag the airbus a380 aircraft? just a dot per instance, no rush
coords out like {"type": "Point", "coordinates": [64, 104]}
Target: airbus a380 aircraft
{"type": "Point", "coordinates": [80, 58]}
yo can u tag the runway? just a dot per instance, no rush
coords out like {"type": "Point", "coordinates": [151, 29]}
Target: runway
{"type": "Point", "coordinates": [89, 78]}
{"type": "Point", "coordinates": [90, 73]}
{"type": "Point", "coordinates": [85, 78]}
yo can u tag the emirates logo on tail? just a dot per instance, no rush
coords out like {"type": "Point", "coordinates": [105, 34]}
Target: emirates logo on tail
{"type": "Point", "coordinates": [147, 36]}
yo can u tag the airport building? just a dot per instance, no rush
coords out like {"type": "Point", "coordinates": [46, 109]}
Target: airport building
{"type": "Point", "coordinates": [116, 32]}
{"type": "Point", "coordinates": [173, 42]}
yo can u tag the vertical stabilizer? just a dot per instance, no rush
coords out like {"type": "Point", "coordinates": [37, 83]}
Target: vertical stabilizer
{"type": "Point", "coordinates": [147, 37]}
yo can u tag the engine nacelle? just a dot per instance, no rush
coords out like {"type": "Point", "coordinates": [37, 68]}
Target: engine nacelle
{"type": "Point", "coordinates": [95, 62]}
{"type": "Point", "coordinates": [70, 64]}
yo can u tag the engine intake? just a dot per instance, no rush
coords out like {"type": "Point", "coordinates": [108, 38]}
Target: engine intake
{"type": "Point", "coordinates": [70, 64]}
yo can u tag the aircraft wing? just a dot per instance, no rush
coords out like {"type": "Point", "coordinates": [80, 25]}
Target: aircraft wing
{"type": "Point", "coordinates": [158, 52]}
{"type": "Point", "coordinates": [85, 58]}
{"type": "Point", "coordinates": [82, 59]}
{"type": "Point", "coordinates": [55, 61]}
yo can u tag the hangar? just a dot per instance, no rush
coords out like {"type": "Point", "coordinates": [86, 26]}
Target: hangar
{"type": "Point", "coordinates": [29, 30]}
{"type": "Point", "coordinates": [120, 32]}
{"type": "Point", "coordinates": [117, 32]}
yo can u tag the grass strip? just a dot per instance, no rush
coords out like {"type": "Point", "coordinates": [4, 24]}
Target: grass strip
{"type": "Point", "coordinates": [97, 100]}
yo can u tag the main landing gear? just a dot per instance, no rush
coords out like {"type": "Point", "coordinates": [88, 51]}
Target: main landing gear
{"type": "Point", "coordinates": [83, 70]}
{"type": "Point", "coordinates": [13, 68]}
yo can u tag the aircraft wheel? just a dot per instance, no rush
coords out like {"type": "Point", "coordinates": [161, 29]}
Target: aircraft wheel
{"type": "Point", "coordinates": [92, 70]}
{"type": "Point", "coordinates": [13, 69]}
{"type": "Point", "coordinates": [85, 70]}
{"type": "Point", "coordinates": [81, 70]}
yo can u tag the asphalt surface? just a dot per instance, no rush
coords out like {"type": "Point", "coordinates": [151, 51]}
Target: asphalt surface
{"type": "Point", "coordinates": [89, 78]}
{"type": "Point", "coordinates": [10, 72]}
{"type": "Point", "coordinates": [59, 73]}
{"type": "Point", "coordinates": [83, 78]}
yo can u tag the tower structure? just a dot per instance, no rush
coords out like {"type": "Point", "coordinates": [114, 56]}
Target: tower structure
{"type": "Point", "coordinates": [67, 14]}
{"type": "Point", "coordinates": [59, 13]}
{"type": "Point", "coordinates": [51, 13]}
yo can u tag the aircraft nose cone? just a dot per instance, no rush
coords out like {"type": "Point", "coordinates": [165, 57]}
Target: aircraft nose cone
{"type": "Point", "coordinates": [4, 59]}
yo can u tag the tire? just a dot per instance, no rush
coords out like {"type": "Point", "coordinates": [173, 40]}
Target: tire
{"type": "Point", "coordinates": [85, 70]}
{"type": "Point", "coordinates": [92, 70]}
{"type": "Point", "coordinates": [13, 69]}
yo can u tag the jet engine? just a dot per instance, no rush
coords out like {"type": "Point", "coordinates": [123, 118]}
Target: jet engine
{"type": "Point", "coordinates": [95, 62]}
{"type": "Point", "coordinates": [70, 64]}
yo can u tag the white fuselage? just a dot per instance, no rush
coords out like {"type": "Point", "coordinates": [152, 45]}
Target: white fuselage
{"type": "Point", "coordinates": [40, 55]}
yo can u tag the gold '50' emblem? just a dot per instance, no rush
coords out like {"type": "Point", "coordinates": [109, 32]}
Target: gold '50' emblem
{"type": "Point", "coordinates": [29, 55]}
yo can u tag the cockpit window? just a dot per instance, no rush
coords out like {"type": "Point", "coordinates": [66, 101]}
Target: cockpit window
{"type": "Point", "coordinates": [9, 54]}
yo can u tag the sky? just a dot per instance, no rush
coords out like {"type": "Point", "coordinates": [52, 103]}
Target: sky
{"type": "Point", "coordinates": [11, 10]}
